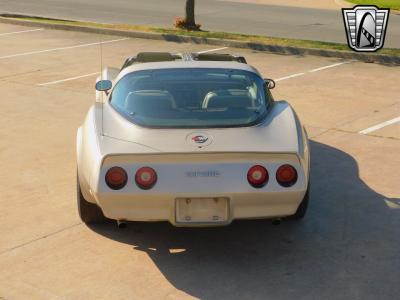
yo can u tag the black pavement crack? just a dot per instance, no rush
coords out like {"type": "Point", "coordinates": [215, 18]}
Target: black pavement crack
{"type": "Point", "coordinates": [40, 238]}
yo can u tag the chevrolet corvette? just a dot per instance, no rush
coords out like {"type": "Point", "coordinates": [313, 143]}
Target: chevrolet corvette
{"type": "Point", "coordinates": [193, 139]}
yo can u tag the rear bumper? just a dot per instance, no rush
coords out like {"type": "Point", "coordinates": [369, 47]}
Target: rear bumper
{"type": "Point", "coordinates": [158, 207]}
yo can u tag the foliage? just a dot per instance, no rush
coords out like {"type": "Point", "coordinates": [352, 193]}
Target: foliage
{"type": "Point", "coordinates": [182, 24]}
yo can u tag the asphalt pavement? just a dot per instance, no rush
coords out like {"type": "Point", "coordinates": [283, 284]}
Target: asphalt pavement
{"type": "Point", "coordinates": [271, 20]}
{"type": "Point", "coordinates": [347, 247]}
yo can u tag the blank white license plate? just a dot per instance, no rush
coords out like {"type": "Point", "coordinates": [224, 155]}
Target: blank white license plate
{"type": "Point", "coordinates": [202, 210]}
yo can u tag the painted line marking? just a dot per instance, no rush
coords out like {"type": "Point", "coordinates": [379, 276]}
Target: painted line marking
{"type": "Point", "coordinates": [330, 66]}
{"type": "Point", "coordinates": [68, 79]}
{"type": "Point", "coordinates": [379, 126]}
{"type": "Point", "coordinates": [23, 31]}
{"type": "Point", "coordinates": [212, 50]}
{"type": "Point", "coordinates": [315, 70]}
{"type": "Point", "coordinates": [62, 48]}
{"type": "Point", "coordinates": [290, 76]}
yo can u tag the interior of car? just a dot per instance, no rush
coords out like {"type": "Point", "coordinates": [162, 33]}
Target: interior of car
{"type": "Point", "coordinates": [148, 97]}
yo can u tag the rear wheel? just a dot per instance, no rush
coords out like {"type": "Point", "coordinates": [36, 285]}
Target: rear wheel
{"type": "Point", "coordinates": [88, 212]}
{"type": "Point", "coordinates": [302, 209]}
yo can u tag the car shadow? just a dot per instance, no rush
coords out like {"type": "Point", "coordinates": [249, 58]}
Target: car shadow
{"type": "Point", "coordinates": [347, 247]}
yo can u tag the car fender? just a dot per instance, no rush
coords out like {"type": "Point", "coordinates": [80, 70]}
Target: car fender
{"type": "Point", "coordinates": [304, 147]}
{"type": "Point", "coordinates": [89, 156]}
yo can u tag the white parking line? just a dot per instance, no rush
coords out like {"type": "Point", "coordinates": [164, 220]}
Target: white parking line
{"type": "Point", "coordinates": [330, 66]}
{"type": "Point", "coordinates": [290, 76]}
{"type": "Point", "coordinates": [380, 125]}
{"type": "Point", "coordinates": [315, 70]}
{"type": "Point", "coordinates": [23, 31]}
{"type": "Point", "coordinates": [212, 50]}
{"type": "Point", "coordinates": [68, 79]}
{"type": "Point", "coordinates": [62, 48]}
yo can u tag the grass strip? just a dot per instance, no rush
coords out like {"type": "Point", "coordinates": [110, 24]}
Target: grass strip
{"type": "Point", "coordinates": [392, 4]}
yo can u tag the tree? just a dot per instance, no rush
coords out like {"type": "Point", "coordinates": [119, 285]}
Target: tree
{"type": "Point", "coordinates": [189, 22]}
{"type": "Point", "coordinates": [190, 19]}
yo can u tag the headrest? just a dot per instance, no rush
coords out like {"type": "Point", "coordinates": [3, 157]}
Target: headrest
{"type": "Point", "coordinates": [228, 99]}
{"type": "Point", "coordinates": [147, 101]}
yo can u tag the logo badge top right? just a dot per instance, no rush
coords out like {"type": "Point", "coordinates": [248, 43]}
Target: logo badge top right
{"type": "Point", "coordinates": [365, 27]}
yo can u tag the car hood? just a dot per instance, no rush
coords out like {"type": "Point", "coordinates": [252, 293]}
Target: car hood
{"type": "Point", "coordinates": [278, 133]}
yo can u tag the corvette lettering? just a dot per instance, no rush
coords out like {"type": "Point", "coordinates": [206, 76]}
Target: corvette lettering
{"type": "Point", "coordinates": [203, 174]}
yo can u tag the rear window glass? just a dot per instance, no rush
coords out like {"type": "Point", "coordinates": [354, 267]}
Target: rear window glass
{"type": "Point", "coordinates": [197, 98]}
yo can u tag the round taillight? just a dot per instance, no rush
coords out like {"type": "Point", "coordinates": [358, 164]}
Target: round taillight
{"type": "Point", "coordinates": [286, 175]}
{"type": "Point", "coordinates": [116, 178]}
{"type": "Point", "coordinates": [146, 178]}
{"type": "Point", "coordinates": [257, 176]}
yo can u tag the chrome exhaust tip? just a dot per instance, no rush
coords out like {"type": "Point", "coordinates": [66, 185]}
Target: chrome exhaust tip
{"type": "Point", "coordinates": [121, 224]}
{"type": "Point", "coordinates": [276, 221]}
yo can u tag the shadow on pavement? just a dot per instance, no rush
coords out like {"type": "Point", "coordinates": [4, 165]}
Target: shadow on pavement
{"type": "Point", "coordinates": [347, 247]}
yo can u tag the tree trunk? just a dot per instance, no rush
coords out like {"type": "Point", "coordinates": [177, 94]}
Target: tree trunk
{"type": "Point", "coordinates": [190, 20]}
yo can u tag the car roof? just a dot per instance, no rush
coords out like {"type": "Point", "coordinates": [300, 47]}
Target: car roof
{"type": "Point", "coordinates": [188, 65]}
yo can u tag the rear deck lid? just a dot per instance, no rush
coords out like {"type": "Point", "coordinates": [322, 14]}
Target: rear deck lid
{"type": "Point", "coordinates": [277, 133]}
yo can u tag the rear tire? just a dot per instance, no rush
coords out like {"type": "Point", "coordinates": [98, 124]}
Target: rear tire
{"type": "Point", "coordinates": [302, 209]}
{"type": "Point", "coordinates": [88, 212]}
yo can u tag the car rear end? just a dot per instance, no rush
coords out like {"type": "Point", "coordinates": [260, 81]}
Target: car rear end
{"type": "Point", "coordinates": [196, 144]}
{"type": "Point", "coordinates": [201, 189]}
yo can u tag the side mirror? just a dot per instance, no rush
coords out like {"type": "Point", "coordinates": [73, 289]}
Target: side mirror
{"type": "Point", "coordinates": [103, 85]}
{"type": "Point", "coordinates": [270, 83]}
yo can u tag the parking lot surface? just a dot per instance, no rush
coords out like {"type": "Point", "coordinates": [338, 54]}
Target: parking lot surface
{"type": "Point", "coordinates": [347, 247]}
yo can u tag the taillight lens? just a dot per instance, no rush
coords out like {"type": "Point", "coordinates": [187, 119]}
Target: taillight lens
{"type": "Point", "coordinates": [286, 175]}
{"type": "Point", "coordinates": [116, 178]}
{"type": "Point", "coordinates": [146, 178]}
{"type": "Point", "coordinates": [257, 176]}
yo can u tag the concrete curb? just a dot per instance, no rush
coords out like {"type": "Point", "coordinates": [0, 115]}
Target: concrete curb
{"type": "Point", "coordinates": [365, 57]}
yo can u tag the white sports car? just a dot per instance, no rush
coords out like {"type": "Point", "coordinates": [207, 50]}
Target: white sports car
{"type": "Point", "coordinates": [193, 139]}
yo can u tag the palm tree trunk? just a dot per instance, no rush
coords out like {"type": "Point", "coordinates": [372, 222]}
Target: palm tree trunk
{"type": "Point", "coordinates": [190, 20]}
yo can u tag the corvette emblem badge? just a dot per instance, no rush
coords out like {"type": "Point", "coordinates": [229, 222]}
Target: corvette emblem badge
{"type": "Point", "coordinates": [199, 139]}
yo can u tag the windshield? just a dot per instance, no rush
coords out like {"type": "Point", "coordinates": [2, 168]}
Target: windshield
{"type": "Point", "coordinates": [191, 98]}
